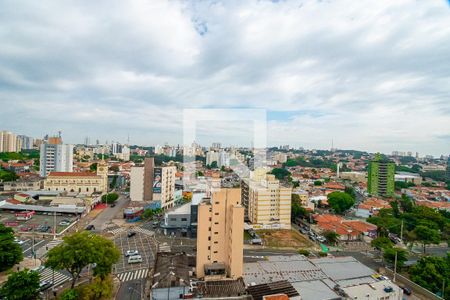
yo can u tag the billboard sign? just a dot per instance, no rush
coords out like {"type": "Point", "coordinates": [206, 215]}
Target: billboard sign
{"type": "Point", "coordinates": [157, 180]}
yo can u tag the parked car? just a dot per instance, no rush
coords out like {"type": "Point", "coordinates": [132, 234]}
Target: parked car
{"type": "Point", "coordinates": [25, 228]}
{"type": "Point", "coordinates": [303, 230]}
{"type": "Point", "coordinates": [113, 205]}
{"type": "Point", "coordinates": [64, 223]}
{"type": "Point", "coordinates": [43, 228]}
{"type": "Point", "coordinates": [256, 241]}
{"type": "Point", "coordinates": [134, 259]}
{"type": "Point", "coordinates": [38, 269]}
{"type": "Point", "coordinates": [406, 290]}
{"type": "Point", "coordinates": [321, 239]}
{"type": "Point", "coordinates": [90, 227]}
{"type": "Point", "coordinates": [43, 285]}
{"type": "Point", "coordinates": [131, 253]}
{"type": "Point", "coordinates": [131, 233]}
{"type": "Point", "coordinates": [20, 242]}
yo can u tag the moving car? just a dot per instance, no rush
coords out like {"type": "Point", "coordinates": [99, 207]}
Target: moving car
{"type": "Point", "coordinates": [90, 227]}
{"type": "Point", "coordinates": [134, 259]}
{"type": "Point", "coordinates": [43, 285]}
{"type": "Point", "coordinates": [131, 253]}
{"type": "Point", "coordinates": [113, 205]}
{"type": "Point", "coordinates": [131, 233]}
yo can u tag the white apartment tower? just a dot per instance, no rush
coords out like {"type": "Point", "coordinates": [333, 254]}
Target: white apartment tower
{"type": "Point", "coordinates": [55, 158]}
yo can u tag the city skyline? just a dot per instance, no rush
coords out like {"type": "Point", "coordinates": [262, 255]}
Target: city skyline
{"type": "Point", "coordinates": [369, 76]}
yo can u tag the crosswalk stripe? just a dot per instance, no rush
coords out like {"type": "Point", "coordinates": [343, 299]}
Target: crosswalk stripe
{"type": "Point", "coordinates": [133, 275]}
{"type": "Point", "coordinates": [47, 274]}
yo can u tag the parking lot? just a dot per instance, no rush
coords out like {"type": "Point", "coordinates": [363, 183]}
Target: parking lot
{"type": "Point", "coordinates": [32, 225]}
{"type": "Point", "coordinates": [140, 242]}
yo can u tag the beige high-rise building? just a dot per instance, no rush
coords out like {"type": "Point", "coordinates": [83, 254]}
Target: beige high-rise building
{"type": "Point", "coordinates": [267, 202]}
{"type": "Point", "coordinates": [8, 142]}
{"type": "Point", "coordinates": [220, 240]}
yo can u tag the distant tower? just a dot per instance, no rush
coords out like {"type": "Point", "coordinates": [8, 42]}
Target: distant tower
{"type": "Point", "coordinates": [102, 170]}
{"type": "Point", "coordinates": [339, 165]}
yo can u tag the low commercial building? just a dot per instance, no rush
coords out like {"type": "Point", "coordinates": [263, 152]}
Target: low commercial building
{"type": "Point", "coordinates": [22, 185]}
{"type": "Point", "coordinates": [321, 278]}
{"type": "Point", "coordinates": [408, 177]}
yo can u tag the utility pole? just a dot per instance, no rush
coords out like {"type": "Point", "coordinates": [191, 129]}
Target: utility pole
{"type": "Point", "coordinates": [401, 231]}
{"type": "Point", "coordinates": [54, 225]}
{"type": "Point", "coordinates": [395, 266]}
{"type": "Point", "coordinates": [443, 289]}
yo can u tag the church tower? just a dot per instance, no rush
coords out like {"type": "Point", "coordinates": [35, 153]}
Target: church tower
{"type": "Point", "coordinates": [102, 170]}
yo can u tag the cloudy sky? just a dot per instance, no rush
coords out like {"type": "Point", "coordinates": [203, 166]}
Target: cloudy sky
{"type": "Point", "coordinates": [370, 75]}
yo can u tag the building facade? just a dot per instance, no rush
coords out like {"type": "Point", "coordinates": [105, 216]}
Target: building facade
{"type": "Point", "coordinates": [381, 177]}
{"type": "Point", "coordinates": [268, 203]}
{"type": "Point", "coordinates": [55, 158]}
{"type": "Point", "coordinates": [26, 142]}
{"type": "Point", "coordinates": [150, 183]}
{"type": "Point", "coordinates": [83, 182]}
{"type": "Point", "coordinates": [8, 142]}
{"type": "Point", "coordinates": [220, 238]}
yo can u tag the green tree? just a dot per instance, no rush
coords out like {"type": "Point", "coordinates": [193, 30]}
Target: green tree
{"type": "Point", "coordinates": [98, 289]}
{"type": "Point", "coordinates": [389, 256]}
{"type": "Point", "coordinates": [93, 167]}
{"type": "Point", "coordinates": [81, 249]}
{"type": "Point", "coordinates": [10, 251]}
{"type": "Point", "coordinates": [304, 252]}
{"type": "Point", "coordinates": [115, 168]}
{"type": "Point", "coordinates": [110, 198]}
{"type": "Point", "coordinates": [70, 294]}
{"type": "Point", "coordinates": [427, 236]}
{"type": "Point", "coordinates": [22, 285]}
{"type": "Point", "coordinates": [214, 165]}
{"type": "Point", "coordinates": [280, 173]}
{"type": "Point", "coordinates": [318, 182]}
{"type": "Point", "coordinates": [351, 191]}
{"type": "Point", "coordinates": [340, 201]}
{"type": "Point", "coordinates": [331, 236]}
{"type": "Point", "coordinates": [381, 242]}
{"type": "Point", "coordinates": [430, 273]}
{"type": "Point", "coordinates": [147, 214]}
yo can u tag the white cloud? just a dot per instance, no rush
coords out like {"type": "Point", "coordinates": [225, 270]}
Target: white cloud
{"type": "Point", "coordinates": [371, 75]}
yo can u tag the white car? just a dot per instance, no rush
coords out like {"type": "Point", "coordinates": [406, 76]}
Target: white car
{"type": "Point", "coordinates": [20, 242]}
{"type": "Point", "coordinates": [134, 259]}
{"type": "Point", "coordinates": [64, 223]}
{"type": "Point", "coordinates": [131, 253]}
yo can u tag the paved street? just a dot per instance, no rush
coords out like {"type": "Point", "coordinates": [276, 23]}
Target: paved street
{"type": "Point", "coordinates": [108, 214]}
{"type": "Point", "coordinates": [140, 242]}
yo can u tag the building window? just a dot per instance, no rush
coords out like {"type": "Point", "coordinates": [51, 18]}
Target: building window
{"type": "Point", "coordinates": [183, 219]}
{"type": "Point", "coordinates": [215, 252]}
{"type": "Point", "coordinates": [216, 232]}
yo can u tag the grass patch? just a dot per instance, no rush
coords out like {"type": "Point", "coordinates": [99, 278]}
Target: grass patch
{"type": "Point", "coordinates": [284, 238]}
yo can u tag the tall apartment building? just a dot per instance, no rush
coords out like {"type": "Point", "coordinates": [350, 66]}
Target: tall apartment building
{"type": "Point", "coordinates": [448, 169]}
{"type": "Point", "coordinates": [150, 183]}
{"type": "Point", "coordinates": [55, 158]}
{"type": "Point", "coordinates": [220, 240]}
{"type": "Point", "coordinates": [212, 156]}
{"type": "Point", "coordinates": [8, 142]}
{"type": "Point", "coordinates": [120, 151]}
{"type": "Point", "coordinates": [26, 142]}
{"type": "Point", "coordinates": [267, 203]}
{"type": "Point", "coordinates": [380, 178]}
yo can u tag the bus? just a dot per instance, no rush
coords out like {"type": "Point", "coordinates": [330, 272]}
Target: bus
{"type": "Point", "coordinates": [25, 215]}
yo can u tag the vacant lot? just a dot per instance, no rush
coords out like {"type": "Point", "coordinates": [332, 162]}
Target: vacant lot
{"type": "Point", "coordinates": [284, 238]}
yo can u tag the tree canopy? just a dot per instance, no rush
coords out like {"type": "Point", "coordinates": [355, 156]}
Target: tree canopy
{"type": "Point", "coordinates": [110, 198]}
{"type": "Point", "coordinates": [280, 173]}
{"type": "Point", "coordinates": [430, 272]}
{"type": "Point", "coordinates": [22, 285]}
{"type": "Point", "coordinates": [81, 249]}
{"type": "Point", "coordinates": [340, 201]}
{"type": "Point", "coordinates": [10, 251]}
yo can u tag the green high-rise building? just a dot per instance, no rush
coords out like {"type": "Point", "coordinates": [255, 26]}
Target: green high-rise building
{"type": "Point", "coordinates": [381, 177]}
